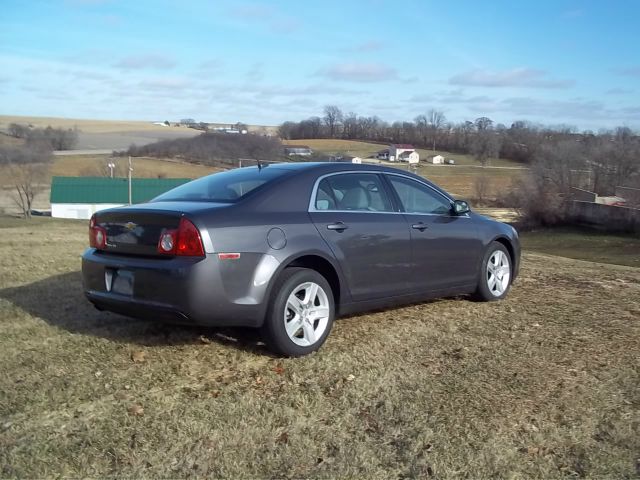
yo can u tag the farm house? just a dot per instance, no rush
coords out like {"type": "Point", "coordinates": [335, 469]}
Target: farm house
{"type": "Point", "coordinates": [437, 160]}
{"type": "Point", "coordinates": [81, 197]}
{"type": "Point", "coordinates": [403, 152]}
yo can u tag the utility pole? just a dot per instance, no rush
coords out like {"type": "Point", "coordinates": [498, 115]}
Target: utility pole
{"type": "Point", "coordinates": [130, 171]}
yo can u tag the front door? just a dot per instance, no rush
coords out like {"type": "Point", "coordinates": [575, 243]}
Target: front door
{"type": "Point", "coordinates": [354, 215]}
{"type": "Point", "coordinates": [445, 248]}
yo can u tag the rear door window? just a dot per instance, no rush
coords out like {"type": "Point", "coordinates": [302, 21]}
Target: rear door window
{"type": "Point", "coordinates": [352, 191]}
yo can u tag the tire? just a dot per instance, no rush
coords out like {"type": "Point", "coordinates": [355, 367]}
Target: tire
{"type": "Point", "coordinates": [494, 280]}
{"type": "Point", "coordinates": [296, 324]}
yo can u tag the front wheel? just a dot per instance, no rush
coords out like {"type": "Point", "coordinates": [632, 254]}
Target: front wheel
{"type": "Point", "coordinates": [300, 314]}
{"type": "Point", "coordinates": [495, 273]}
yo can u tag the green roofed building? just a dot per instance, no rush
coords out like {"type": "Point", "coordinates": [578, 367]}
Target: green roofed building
{"type": "Point", "coordinates": [81, 197]}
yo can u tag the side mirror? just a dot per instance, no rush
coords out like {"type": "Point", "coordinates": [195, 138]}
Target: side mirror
{"type": "Point", "coordinates": [460, 207]}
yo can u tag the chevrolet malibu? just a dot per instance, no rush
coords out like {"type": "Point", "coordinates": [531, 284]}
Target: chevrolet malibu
{"type": "Point", "coordinates": [289, 247]}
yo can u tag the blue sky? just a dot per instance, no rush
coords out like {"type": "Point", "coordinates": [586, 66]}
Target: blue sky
{"type": "Point", "coordinates": [548, 61]}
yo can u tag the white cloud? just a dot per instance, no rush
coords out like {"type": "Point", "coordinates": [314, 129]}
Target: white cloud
{"type": "Point", "coordinates": [633, 71]}
{"type": "Point", "coordinates": [152, 61]}
{"type": "Point", "coordinates": [359, 72]}
{"type": "Point", "coordinates": [517, 77]}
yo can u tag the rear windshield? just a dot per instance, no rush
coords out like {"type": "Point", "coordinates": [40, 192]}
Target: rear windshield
{"type": "Point", "coordinates": [225, 187]}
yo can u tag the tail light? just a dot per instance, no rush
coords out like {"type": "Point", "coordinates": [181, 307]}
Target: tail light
{"type": "Point", "coordinates": [97, 234]}
{"type": "Point", "coordinates": [183, 241]}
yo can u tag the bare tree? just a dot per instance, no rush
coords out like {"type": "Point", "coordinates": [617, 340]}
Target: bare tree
{"type": "Point", "coordinates": [332, 118]}
{"type": "Point", "coordinates": [436, 121]}
{"type": "Point", "coordinates": [18, 131]}
{"type": "Point", "coordinates": [28, 168]}
{"type": "Point", "coordinates": [422, 126]}
{"type": "Point", "coordinates": [486, 142]}
{"type": "Point", "coordinates": [481, 187]}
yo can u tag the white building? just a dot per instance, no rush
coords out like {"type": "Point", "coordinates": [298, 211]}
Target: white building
{"type": "Point", "coordinates": [437, 160]}
{"type": "Point", "coordinates": [403, 152]}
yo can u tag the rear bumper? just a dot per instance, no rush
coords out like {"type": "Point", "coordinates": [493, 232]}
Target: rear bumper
{"type": "Point", "coordinates": [138, 308]}
{"type": "Point", "coordinates": [201, 291]}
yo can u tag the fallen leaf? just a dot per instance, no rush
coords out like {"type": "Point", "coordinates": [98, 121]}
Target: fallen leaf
{"type": "Point", "coordinates": [283, 438]}
{"type": "Point", "coordinates": [279, 369]}
{"type": "Point", "coordinates": [350, 377]}
{"type": "Point", "coordinates": [136, 410]}
{"type": "Point", "coordinates": [138, 356]}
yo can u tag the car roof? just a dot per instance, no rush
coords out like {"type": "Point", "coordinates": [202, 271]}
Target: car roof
{"type": "Point", "coordinates": [334, 167]}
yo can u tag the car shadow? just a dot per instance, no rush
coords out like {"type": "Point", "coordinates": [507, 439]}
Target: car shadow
{"type": "Point", "coordinates": [59, 301]}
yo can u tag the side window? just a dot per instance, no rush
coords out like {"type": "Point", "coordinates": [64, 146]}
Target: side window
{"type": "Point", "coordinates": [352, 191]}
{"type": "Point", "coordinates": [418, 198]}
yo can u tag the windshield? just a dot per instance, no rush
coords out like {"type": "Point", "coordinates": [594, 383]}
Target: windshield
{"type": "Point", "coordinates": [224, 187]}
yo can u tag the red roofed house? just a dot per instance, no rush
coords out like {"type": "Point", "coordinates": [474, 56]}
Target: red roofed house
{"type": "Point", "coordinates": [403, 152]}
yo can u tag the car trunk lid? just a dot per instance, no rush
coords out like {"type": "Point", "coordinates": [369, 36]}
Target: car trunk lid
{"type": "Point", "coordinates": [136, 230]}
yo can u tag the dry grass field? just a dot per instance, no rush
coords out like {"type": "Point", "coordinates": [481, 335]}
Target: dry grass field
{"type": "Point", "coordinates": [545, 384]}
{"type": "Point", "coordinates": [84, 165]}
{"type": "Point", "coordinates": [86, 125]}
{"type": "Point", "coordinates": [113, 134]}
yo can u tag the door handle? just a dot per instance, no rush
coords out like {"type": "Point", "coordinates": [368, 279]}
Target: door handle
{"type": "Point", "coordinates": [339, 226]}
{"type": "Point", "coordinates": [420, 226]}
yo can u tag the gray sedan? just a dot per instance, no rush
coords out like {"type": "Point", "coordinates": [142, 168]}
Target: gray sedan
{"type": "Point", "coordinates": [289, 247]}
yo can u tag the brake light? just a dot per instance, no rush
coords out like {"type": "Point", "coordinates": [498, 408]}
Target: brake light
{"type": "Point", "coordinates": [97, 234]}
{"type": "Point", "coordinates": [183, 241]}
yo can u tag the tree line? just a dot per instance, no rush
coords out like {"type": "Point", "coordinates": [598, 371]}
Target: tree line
{"type": "Point", "coordinates": [52, 138]}
{"type": "Point", "coordinates": [213, 148]}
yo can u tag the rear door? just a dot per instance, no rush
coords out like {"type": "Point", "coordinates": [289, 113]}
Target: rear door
{"type": "Point", "coordinates": [445, 248]}
{"type": "Point", "coordinates": [353, 213]}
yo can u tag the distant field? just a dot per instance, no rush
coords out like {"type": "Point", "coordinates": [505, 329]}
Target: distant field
{"type": "Point", "coordinates": [331, 146]}
{"type": "Point", "coordinates": [82, 165]}
{"type": "Point", "coordinates": [112, 134]}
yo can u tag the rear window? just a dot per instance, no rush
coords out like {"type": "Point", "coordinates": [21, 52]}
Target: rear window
{"type": "Point", "coordinates": [224, 187]}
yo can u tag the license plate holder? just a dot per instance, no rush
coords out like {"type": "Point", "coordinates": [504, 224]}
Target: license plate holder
{"type": "Point", "coordinates": [121, 282]}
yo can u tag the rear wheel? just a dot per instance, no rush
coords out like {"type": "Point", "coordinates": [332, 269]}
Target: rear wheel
{"type": "Point", "coordinates": [495, 273]}
{"type": "Point", "coordinates": [300, 314]}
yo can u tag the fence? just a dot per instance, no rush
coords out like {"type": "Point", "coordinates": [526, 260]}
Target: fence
{"type": "Point", "coordinates": [623, 219]}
